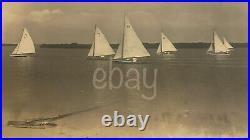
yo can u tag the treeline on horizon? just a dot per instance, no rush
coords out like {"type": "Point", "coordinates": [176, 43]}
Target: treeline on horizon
{"type": "Point", "coordinates": [147, 45]}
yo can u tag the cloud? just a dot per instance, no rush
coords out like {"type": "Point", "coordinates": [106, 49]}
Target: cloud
{"type": "Point", "coordinates": [44, 15]}
{"type": "Point", "coordinates": [9, 17]}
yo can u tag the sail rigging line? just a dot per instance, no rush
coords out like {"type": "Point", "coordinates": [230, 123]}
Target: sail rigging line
{"type": "Point", "coordinates": [214, 41]}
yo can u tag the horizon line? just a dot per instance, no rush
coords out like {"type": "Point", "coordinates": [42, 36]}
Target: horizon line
{"type": "Point", "coordinates": [110, 43]}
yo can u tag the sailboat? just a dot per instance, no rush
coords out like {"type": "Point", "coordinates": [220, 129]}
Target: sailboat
{"type": "Point", "coordinates": [227, 45]}
{"type": "Point", "coordinates": [131, 47]}
{"type": "Point", "coordinates": [100, 47]}
{"type": "Point", "coordinates": [166, 46]}
{"type": "Point", "coordinates": [217, 47]}
{"type": "Point", "coordinates": [25, 47]}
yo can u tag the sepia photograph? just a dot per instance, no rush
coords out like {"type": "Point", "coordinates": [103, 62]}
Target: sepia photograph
{"type": "Point", "coordinates": [130, 69]}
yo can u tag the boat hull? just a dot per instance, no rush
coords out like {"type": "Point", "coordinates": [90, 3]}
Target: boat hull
{"type": "Point", "coordinates": [105, 58]}
{"type": "Point", "coordinates": [130, 61]}
{"type": "Point", "coordinates": [18, 55]}
{"type": "Point", "coordinates": [167, 53]}
{"type": "Point", "coordinates": [225, 54]}
{"type": "Point", "coordinates": [22, 55]}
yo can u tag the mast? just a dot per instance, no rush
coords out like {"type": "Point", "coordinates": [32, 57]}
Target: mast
{"type": "Point", "coordinates": [123, 34]}
{"type": "Point", "coordinates": [214, 37]}
{"type": "Point", "coordinates": [213, 41]}
{"type": "Point", "coordinates": [161, 48]}
{"type": "Point", "coordinates": [161, 40]}
{"type": "Point", "coordinates": [94, 41]}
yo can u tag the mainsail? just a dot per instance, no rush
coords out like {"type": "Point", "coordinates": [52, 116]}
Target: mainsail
{"type": "Point", "coordinates": [100, 46]}
{"type": "Point", "coordinates": [227, 45]}
{"type": "Point", "coordinates": [131, 46]}
{"type": "Point", "coordinates": [166, 45]}
{"type": "Point", "coordinates": [26, 45]}
{"type": "Point", "coordinates": [217, 46]}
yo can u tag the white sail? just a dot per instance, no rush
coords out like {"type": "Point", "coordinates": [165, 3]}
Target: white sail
{"type": "Point", "coordinates": [100, 46]}
{"type": "Point", "coordinates": [226, 44]}
{"type": "Point", "coordinates": [166, 45]}
{"type": "Point", "coordinates": [218, 45]}
{"type": "Point", "coordinates": [26, 45]}
{"type": "Point", "coordinates": [16, 50]}
{"type": "Point", "coordinates": [159, 50]}
{"type": "Point", "coordinates": [119, 52]}
{"type": "Point", "coordinates": [91, 51]}
{"type": "Point", "coordinates": [211, 48]}
{"type": "Point", "coordinates": [131, 45]}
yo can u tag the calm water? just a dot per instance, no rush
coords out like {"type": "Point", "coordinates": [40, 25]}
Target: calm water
{"type": "Point", "coordinates": [197, 95]}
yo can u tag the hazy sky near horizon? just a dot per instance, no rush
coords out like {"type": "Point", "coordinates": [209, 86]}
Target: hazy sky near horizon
{"type": "Point", "coordinates": [74, 22]}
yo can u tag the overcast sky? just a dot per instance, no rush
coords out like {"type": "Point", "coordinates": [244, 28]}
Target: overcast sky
{"type": "Point", "coordinates": [74, 22]}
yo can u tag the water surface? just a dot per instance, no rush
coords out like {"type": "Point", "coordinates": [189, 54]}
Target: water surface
{"type": "Point", "coordinates": [197, 95]}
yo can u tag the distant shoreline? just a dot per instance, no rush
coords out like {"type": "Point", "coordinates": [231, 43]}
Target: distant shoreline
{"type": "Point", "coordinates": [147, 45]}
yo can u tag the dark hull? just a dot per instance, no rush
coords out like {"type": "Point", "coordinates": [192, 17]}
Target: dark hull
{"type": "Point", "coordinates": [23, 55]}
{"type": "Point", "coordinates": [166, 53]}
{"type": "Point", "coordinates": [130, 61]}
{"type": "Point", "coordinates": [212, 53]}
{"type": "Point", "coordinates": [105, 58]}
